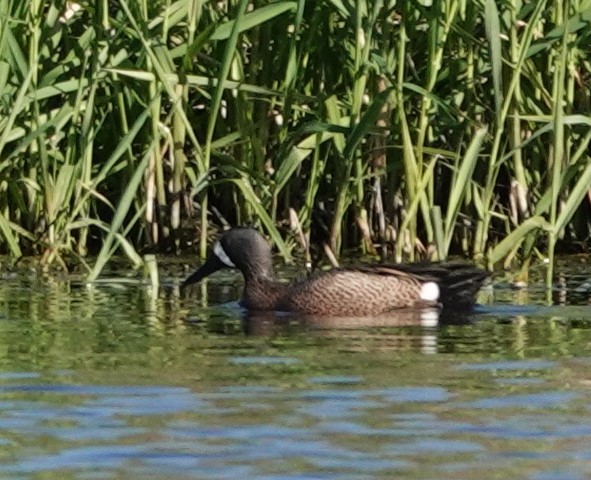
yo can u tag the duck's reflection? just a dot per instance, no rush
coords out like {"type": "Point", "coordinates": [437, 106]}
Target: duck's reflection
{"type": "Point", "coordinates": [420, 326]}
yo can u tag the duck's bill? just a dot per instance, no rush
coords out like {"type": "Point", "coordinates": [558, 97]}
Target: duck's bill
{"type": "Point", "coordinates": [211, 265]}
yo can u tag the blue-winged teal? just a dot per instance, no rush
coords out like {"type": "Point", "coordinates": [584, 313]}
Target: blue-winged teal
{"type": "Point", "coordinates": [353, 291]}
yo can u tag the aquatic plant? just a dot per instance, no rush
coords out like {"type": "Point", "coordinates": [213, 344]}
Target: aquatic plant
{"type": "Point", "coordinates": [423, 127]}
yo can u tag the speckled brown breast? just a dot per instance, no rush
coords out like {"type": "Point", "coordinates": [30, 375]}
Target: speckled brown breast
{"type": "Point", "coordinates": [351, 293]}
{"type": "Point", "coordinates": [264, 294]}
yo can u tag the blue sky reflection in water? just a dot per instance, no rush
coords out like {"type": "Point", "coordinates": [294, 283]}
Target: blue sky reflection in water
{"type": "Point", "coordinates": [111, 382]}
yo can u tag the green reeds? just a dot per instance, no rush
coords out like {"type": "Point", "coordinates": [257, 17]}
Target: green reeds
{"type": "Point", "coordinates": [459, 127]}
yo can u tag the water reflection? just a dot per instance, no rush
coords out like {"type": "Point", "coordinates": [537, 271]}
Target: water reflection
{"type": "Point", "coordinates": [122, 381]}
{"type": "Point", "coordinates": [356, 426]}
{"type": "Point", "coordinates": [385, 328]}
{"type": "Point", "coordinates": [261, 323]}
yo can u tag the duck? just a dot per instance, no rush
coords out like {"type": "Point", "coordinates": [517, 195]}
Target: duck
{"type": "Point", "coordinates": [362, 290]}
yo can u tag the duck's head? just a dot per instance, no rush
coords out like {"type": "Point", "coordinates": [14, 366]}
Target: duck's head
{"type": "Point", "coordinates": [242, 248]}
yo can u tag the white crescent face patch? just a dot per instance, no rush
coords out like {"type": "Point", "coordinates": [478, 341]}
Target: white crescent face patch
{"type": "Point", "coordinates": [219, 252]}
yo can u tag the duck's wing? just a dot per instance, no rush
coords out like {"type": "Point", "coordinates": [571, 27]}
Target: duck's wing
{"type": "Point", "coordinates": [458, 282]}
{"type": "Point", "coordinates": [353, 291]}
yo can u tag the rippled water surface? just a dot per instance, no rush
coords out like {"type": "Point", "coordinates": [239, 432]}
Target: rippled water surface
{"type": "Point", "coordinates": [116, 381]}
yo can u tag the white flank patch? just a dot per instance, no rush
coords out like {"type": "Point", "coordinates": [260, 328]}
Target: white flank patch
{"type": "Point", "coordinates": [430, 292]}
{"type": "Point", "coordinates": [222, 255]}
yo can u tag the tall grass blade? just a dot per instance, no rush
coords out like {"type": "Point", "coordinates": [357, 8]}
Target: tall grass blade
{"type": "Point", "coordinates": [514, 239]}
{"type": "Point", "coordinates": [572, 203]}
{"type": "Point", "coordinates": [9, 237]}
{"type": "Point", "coordinates": [366, 123]}
{"type": "Point", "coordinates": [493, 35]}
{"type": "Point", "coordinates": [459, 190]}
{"type": "Point", "coordinates": [119, 217]}
{"type": "Point", "coordinates": [252, 19]}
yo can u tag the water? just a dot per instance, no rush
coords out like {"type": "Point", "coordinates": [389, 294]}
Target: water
{"type": "Point", "coordinates": [114, 382]}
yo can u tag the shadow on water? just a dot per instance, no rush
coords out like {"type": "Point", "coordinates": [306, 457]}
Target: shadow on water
{"type": "Point", "coordinates": [117, 380]}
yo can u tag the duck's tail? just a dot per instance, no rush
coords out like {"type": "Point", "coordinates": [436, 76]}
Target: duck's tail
{"type": "Point", "coordinates": [458, 282]}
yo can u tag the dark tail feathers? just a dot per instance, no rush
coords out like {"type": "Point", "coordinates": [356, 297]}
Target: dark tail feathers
{"type": "Point", "coordinates": [458, 282]}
